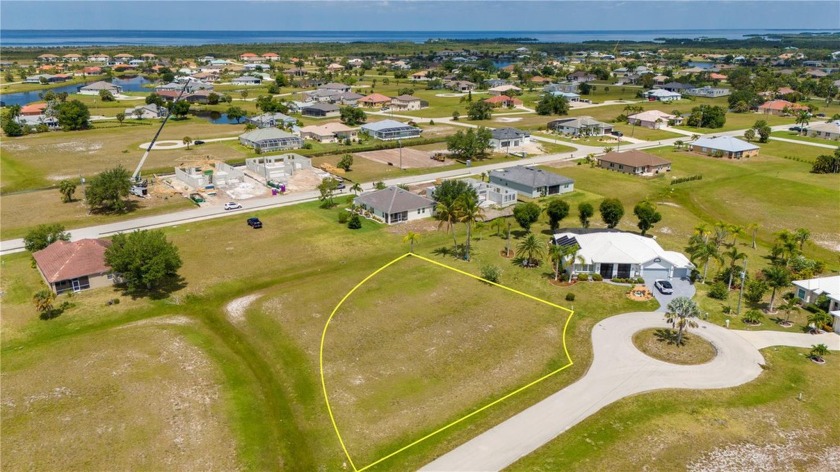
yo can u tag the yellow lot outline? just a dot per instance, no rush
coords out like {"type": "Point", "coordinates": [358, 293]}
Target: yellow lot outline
{"type": "Point", "coordinates": [505, 397]}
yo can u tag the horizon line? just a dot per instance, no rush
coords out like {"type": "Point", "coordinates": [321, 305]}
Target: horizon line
{"type": "Point", "coordinates": [802, 29]}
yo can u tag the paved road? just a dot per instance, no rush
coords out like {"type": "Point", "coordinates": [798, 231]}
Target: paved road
{"type": "Point", "coordinates": [762, 339]}
{"type": "Point", "coordinates": [618, 370]}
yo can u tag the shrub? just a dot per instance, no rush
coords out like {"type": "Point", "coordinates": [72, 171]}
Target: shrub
{"type": "Point", "coordinates": [491, 273]}
{"type": "Point", "coordinates": [686, 179]}
{"type": "Point", "coordinates": [354, 222]}
{"type": "Point", "coordinates": [719, 291]}
{"type": "Point", "coordinates": [640, 280]}
{"type": "Point", "coordinates": [570, 297]}
{"type": "Point", "coordinates": [343, 216]}
{"type": "Point", "coordinates": [753, 317]}
{"type": "Point", "coordinates": [597, 277]}
{"type": "Point", "coordinates": [583, 277]}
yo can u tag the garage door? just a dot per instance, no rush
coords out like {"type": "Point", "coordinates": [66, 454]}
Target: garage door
{"type": "Point", "coordinates": [653, 273]}
{"type": "Point", "coordinates": [681, 273]}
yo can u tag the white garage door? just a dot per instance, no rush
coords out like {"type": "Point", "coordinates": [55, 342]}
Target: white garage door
{"type": "Point", "coordinates": [655, 273]}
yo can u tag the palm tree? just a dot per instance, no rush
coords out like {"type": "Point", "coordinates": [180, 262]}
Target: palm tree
{"type": "Point", "coordinates": [356, 188]}
{"type": "Point", "coordinates": [446, 213]}
{"type": "Point", "coordinates": [734, 256]}
{"type": "Point", "coordinates": [532, 248]}
{"type": "Point", "coordinates": [801, 235]}
{"type": "Point", "coordinates": [819, 319]}
{"type": "Point", "coordinates": [754, 228]}
{"type": "Point", "coordinates": [704, 251]}
{"type": "Point", "coordinates": [411, 237]}
{"type": "Point", "coordinates": [498, 224]}
{"type": "Point", "coordinates": [776, 277]}
{"type": "Point", "coordinates": [702, 231]}
{"type": "Point", "coordinates": [43, 300]}
{"type": "Point", "coordinates": [680, 312]}
{"type": "Point", "coordinates": [818, 351]}
{"type": "Point", "coordinates": [469, 212]}
{"type": "Point", "coordinates": [559, 255]}
{"type": "Point", "coordinates": [802, 119]}
{"type": "Point", "coordinates": [721, 233]}
{"type": "Point", "coordinates": [786, 247]}
{"type": "Point", "coordinates": [788, 307]}
{"type": "Point", "coordinates": [187, 140]}
{"type": "Point", "coordinates": [736, 230]}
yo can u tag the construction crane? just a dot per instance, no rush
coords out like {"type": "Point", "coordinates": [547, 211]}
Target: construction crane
{"type": "Point", "coordinates": [140, 187]}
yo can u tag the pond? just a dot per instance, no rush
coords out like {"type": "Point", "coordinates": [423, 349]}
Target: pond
{"type": "Point", "coordinates": [217, 118]}
{"type": "Point", "coordinates": [129, 84]}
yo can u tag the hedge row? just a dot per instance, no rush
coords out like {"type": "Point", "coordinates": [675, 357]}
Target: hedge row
{"type": "Point", "coordinates": [686, 179]}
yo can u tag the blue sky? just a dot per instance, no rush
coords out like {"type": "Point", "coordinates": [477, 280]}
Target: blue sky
{"type": "Point", "coordinates": [509, 15]}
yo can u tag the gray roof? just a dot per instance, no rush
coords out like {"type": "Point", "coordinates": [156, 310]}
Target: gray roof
{"type": "Point", "coordinates": [277, 116]}
{"type": "Point", "coordinates": [579, 122]}
{"type": "Point", "coordinates": [394, 200]}
{"type": "Point", "coordinates": [508, 133]}
{"type": "Point", "coordinates": [266, 133]}
{"type": "Point", "coordinates": [407, 98]}
{"type": "Point", "coordinates": [724, 143]}
{"type": "Point", "coordinates": [531, 176]}
{"type": "Point", "coordinates": [385, 124]}
{"type": "Point", "coordinates": [350, 96]}
{"type": "Point", "coordinates": [101, 85]}
{"type": "Point", "coordinates": [334, 86]}
{"type": "Point", "coordinates": [327, 107]}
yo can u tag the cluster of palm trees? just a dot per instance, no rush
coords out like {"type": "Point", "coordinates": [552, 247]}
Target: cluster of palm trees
{"type": "Point", "coordinates": [462, 207]}
{"type": "Point", "coordinates": [709, 243]}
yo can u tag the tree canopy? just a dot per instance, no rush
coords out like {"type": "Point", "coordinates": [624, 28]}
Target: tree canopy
{"type": "Point", "coordinates": [470, 144]}
{"type": "Point", "coordinates": [707, 116]}
{"type": "Point", "coordinates": [552, 105]}
{"type": "Point", "coordinates": [526, 214]}
{"type": "Point", "coordinates": [611, 211]}
{"type": "Point", "coordinates": [557, 209]}
{"type": "Point", "coordinates": [648, 216]}
{"type": "Point", "coordinates": [73, 115]}
{"type": "Point", "coordinates": [108, 191]}
{"type": "Point", "coordinates": [585, 213]}
{"type": "Point", "coordinates": [143, 259]}
{"type": "Point", "coordinates": [351, 116]}
{"type": "Point", "coordinates": [480, 110]}
{"type": "Point", "coordinates": [43, 235]}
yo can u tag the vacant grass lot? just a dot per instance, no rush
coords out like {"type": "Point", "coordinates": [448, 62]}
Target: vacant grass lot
{"type": "Point", "coordinates": [396, 350]}
{"type": "Point", "coordinates": [141, 396]}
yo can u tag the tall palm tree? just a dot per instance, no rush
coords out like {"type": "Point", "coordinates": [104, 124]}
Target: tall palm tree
{"type": "Point", "coordinates": [531, 248]}
{"type": "Point", "coordinates": [447, 215]}
{"type": "Point", "coordinates": [803, 118]}
{"type": "Point", "coordinates": [754, 228]}
{"type": "Point", "coordinates": [735, 231]}
{"type": "Point", "coordinates": [411, 237]}
{"type": "Point", "coordinates": [469, 212]}
{"type": "Point", "coordinates": [801, 235]}
{"type": "Point", "coordinates": [680, 312]}
{"type": "Point", "coordinates": [786, 246]}
{"type": "Point", "coordinates": [704, 251]}
{"type": "Point", "coordinates": [721, 233]}
{"type": "Point", "coordinates": [356, 188]}
{"type": "Point", "coordinates": [776, 277]}
{"type": "Point", "coordinates": [702, 231]}
{"type": "Point", "coordinates": [498, 224]}
{"type": "Point", "coordinates": [734, 256]}
{"type": "Point", "coordinates": [560, 255]}
{"type": "Point", "coordinates": [790, 306]}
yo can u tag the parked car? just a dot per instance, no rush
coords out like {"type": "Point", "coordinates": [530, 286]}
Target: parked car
{"type": "Point", "coordinates": [255, 223]}
{"type": "Point", "coordinates": [664, 287]}
{"type": "Point", "coordinates": [232, 206]}
{"type": "Point", "coordinates": [795, 128]}
{"type": "Point", "coordinates": [617, 133]}
{"type": "Point", "coordinates": [198, 141]}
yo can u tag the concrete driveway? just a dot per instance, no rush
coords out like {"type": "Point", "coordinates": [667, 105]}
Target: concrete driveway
{"type": "Point", "coordinates": [682, 288]}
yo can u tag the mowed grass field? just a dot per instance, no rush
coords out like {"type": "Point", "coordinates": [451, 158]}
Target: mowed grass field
{"type": "Point", "coordinates": [418, 343]}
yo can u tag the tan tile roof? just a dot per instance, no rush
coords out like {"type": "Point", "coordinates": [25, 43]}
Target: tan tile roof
{"type": "Point", "coordinates": [375, 98]}
{"type": "Point", "coordinates": [634, 159]}
{"type": "Point", "coordinates": [64, 260]}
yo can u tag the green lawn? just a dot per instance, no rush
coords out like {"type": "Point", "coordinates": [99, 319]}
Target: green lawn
{"type": "Point", "coordinates": [807, 139]}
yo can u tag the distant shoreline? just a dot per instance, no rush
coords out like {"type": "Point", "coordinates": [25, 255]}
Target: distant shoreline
{"type": "Point", "coordinates": [12, 38]}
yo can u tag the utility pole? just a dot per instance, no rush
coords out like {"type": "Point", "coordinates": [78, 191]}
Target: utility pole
{"type": "Point", "coordinates": [741, 293]}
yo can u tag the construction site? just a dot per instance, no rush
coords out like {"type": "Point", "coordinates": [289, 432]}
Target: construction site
{"type": "Point", "coordinates": [208, 180]}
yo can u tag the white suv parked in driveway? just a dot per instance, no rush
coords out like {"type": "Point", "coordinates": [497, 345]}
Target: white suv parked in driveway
{"type": "Point", "coordinates": [664, 286]}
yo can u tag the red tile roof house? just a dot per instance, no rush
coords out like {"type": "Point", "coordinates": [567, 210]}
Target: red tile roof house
{"type": "Point", "coordinates": [777, 107]}
{"type": "Point", "coordinates": [74, 266]}
{"type": "Point", "coordinates": [374, 100]}
{"type": "Point", "coordinates": [249, 56]}
{"type": "Point", "coordinates": [33, 109]}
{"type": "Point", "coordinates": [503, 101]}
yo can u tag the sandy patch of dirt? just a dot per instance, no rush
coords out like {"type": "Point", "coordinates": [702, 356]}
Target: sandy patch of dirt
{"type": "Point", "coordinates": [13, 146]}
{"type": "Point", "coordinates": [236, 309]}
{"type": "Point", "coordinates": [82, 147]}
{"type": "Point", "coordinates": [507, 119]}
{"type": "Point", "coordinates": [178, 320]}
{"type": "Point", "coordinates": [304, 180]}
{"type": "Point", "coordinates": [410, 158]}
{"type": "Point", "coordinates": [788, 454]}
{"type": "Point", "coordinates": [830, 242]}
{"type": "Point", "coordinates": [425, 225]}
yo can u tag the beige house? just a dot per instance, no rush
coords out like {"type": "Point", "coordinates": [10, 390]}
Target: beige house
{"type": "Point", "coordinates": [406, 103]}
{"type": "Point", "coordinates": [634, 162]}
{"type": "Point", "coordinates": [653, 119]}
{"type": "Point", "coordinates": [329, 132]}
{"type": "Point", "coordinates": [830, 130]}
{"type": "Point", "coordinates": [74, 266]}
{"type": "Point", "coordinates": [504, 90]}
